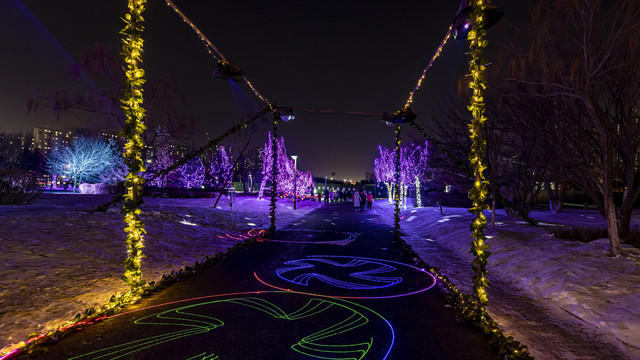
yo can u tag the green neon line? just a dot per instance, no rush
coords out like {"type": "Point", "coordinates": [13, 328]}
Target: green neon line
{"type": "Point", "coordinates": [199, 324]}
{"type": "Point", "coordinates": [204, 356]}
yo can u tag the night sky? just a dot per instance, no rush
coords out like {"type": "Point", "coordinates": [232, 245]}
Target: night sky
{"type": "Point", "coordinates": [333, 55]}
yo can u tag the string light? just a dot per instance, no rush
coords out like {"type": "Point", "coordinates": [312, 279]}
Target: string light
{"type": "Point", "coordinates": [132, 49]}
{"type": "Point", "coordinates": [424, 73]}
{"type": "Point", "coordinates": [479, 191]}
{"type": "Point", "coordinates": [213, 50]}
{"type": "Point", "coordinates": [118, 301]}
{"type": "Point", "coordinates": [274, 174]}
{"type": "Point", "coordinates": [396, 188]}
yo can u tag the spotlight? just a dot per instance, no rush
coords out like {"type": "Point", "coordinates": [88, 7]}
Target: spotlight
{"type": "Point", "coordinates": [462, 21]}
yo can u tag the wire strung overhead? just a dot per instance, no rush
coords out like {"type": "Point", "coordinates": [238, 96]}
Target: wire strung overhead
{"type": "Point", "coordinates": [424, 73]}
{"type": "Point", "coordinates": [228, 70]}
{"type": "Point", "coordinates": [225, 68]}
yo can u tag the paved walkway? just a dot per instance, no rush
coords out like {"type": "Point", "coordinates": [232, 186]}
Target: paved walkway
{"type": "Point", "coordinates": [334, 285]}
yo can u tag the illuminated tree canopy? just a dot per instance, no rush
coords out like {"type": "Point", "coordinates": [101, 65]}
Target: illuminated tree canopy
{"type": "Point", "coordinates": [87, 160]}
{"type": "Point", "coordinates": [286, 173]}
{"type": "Point", "coordinates": [220, 168]}
{"type": "Point", "coordinates": [413, 163]}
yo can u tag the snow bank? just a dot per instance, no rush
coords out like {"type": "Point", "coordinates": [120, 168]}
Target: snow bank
{"type": "Point", "coordinates": [59, 259]}
{"type": "Point", "coordinates": [565, 276]}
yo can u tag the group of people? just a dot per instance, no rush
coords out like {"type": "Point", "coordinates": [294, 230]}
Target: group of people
{"type": "Point", "coordinates": [360, 198]}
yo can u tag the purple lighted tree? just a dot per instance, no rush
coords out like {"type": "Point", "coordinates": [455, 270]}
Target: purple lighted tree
{"type": "Point", "coordinates": [384, 169]}
{"type": "Point", "coordinates": [286, 171]}
{"type": "Point", "coordinates": [189, 175]}
{"type": "Point", "coordinates": [162, 160]}
{"type": "Point", "coordinates": [413, 162]}
{"type": "Point", "coordinates": [220, 169]}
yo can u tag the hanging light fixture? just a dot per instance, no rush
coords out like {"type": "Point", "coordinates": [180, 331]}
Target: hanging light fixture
{"type": "Point", "coordinates": [225, 69]}
{"type": "Point", "coordinates": [286, 114]}
{"type": "Point", "coordinates": [462, 21]}
{"type": "Point", "coordinates": [400, 117]}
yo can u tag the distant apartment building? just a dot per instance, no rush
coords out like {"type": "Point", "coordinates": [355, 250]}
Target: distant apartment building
{"type": "Point", "coordinates": [45, 139]}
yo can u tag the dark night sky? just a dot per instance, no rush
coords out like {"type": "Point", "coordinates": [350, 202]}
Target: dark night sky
{"type": "Point", "coordinates": [337, 55]}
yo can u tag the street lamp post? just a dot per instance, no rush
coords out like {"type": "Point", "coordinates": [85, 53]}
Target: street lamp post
{"type": "Point", "coordinates": [295, 179]}
{"type": "Point", "coordinates": [325, 185]}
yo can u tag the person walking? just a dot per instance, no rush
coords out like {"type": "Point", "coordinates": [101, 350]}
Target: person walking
{"type": "Point", "coordinates": [369, 200]}
{"type": "Point", "coordinates": [356, 201]}
{"type": "Point", "coordinates": [326, 196]}
{"type": "Point", "coordinates": [363, 199]}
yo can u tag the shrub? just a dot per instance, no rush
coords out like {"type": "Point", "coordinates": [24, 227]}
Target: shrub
{"type": "Point", "coordinates": [582, 234]}
{"type": "Point", "coordinates": [18, 186]}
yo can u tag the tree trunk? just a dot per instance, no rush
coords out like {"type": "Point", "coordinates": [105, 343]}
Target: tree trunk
{"type": "Point", "coordinates": [607, 191]}
{"type": "Point", "coordinates": [494, 191]}
{"type": "Point", "coordinates": [629, 197]}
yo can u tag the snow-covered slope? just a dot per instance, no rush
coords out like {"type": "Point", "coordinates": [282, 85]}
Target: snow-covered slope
{"type": "Point", "coordinates": [569, 279]}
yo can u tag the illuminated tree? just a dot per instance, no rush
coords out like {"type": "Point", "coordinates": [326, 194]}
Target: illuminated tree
{"type": "Point", "coordinates": [220, 169]}
{"type": "Point", "coordinates": [384, 169]}
{"type": "Point", "coordinates": [285, 165]}
{"type": "Point", "coordinates": [189, 175]}
{"type": "Point", "coordinates": [413, 164]}
{"type": "Point", "coordinates": [87, 160]}
{"type": "Point", "coordinates": [163, 158]}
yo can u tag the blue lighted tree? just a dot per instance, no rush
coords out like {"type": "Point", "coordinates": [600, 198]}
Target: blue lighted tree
{"type": "Point", "coordinates": [87, 160]}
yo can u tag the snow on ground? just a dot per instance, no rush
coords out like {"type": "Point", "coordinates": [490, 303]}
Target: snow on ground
{"type": "Point", "coordinates": [59, 259]}
{"type": "Point", "coordinates": [562, 298]}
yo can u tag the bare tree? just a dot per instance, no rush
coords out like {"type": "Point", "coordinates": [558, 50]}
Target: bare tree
{"type": "Point", "coordinates": [100, 76]}
{"type": "Point", "coordinates": [585, 58]}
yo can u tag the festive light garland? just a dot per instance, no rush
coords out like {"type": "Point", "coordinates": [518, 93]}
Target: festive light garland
{"type": "Point", "coordinates": [119, 301]}
{"type": "Point", "coordinates": [211, 49]}
{"type": "Point", "coordinates": [508, 347]}
{"type": "Point", "coordinates": [274, 175]}
{"type": "Point", "coordinates": [212, 143]}
{"type": "Point", "coordinates": [478, 194]}
{"type": "Point", "coordinates": [133, 129]}
{"type": "Point", "coordinates": [396, 195]}
{"type": "Point", "coordinates": [424, 73]}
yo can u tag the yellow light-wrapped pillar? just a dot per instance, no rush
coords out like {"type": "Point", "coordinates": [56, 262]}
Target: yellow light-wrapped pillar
{"type": "Point", "coordinates": [133, 130]}
{"type": "Point", "coordinates": [274, 174]}
{"type": "Point", "coordinates": [478, 192]}
{"type": "Point", "coordinates": [396, 186]}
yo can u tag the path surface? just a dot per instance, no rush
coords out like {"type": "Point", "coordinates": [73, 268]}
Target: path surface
{"type": "Point", "coordinates": [353, 295]}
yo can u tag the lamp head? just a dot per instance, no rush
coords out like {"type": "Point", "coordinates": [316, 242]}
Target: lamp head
{"type": "Point", "coordinates": [225, 69]}
{"type": "Point", "coordinates": [403, 116]}
{"type": "Point", "coordinates": [462, 21]}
